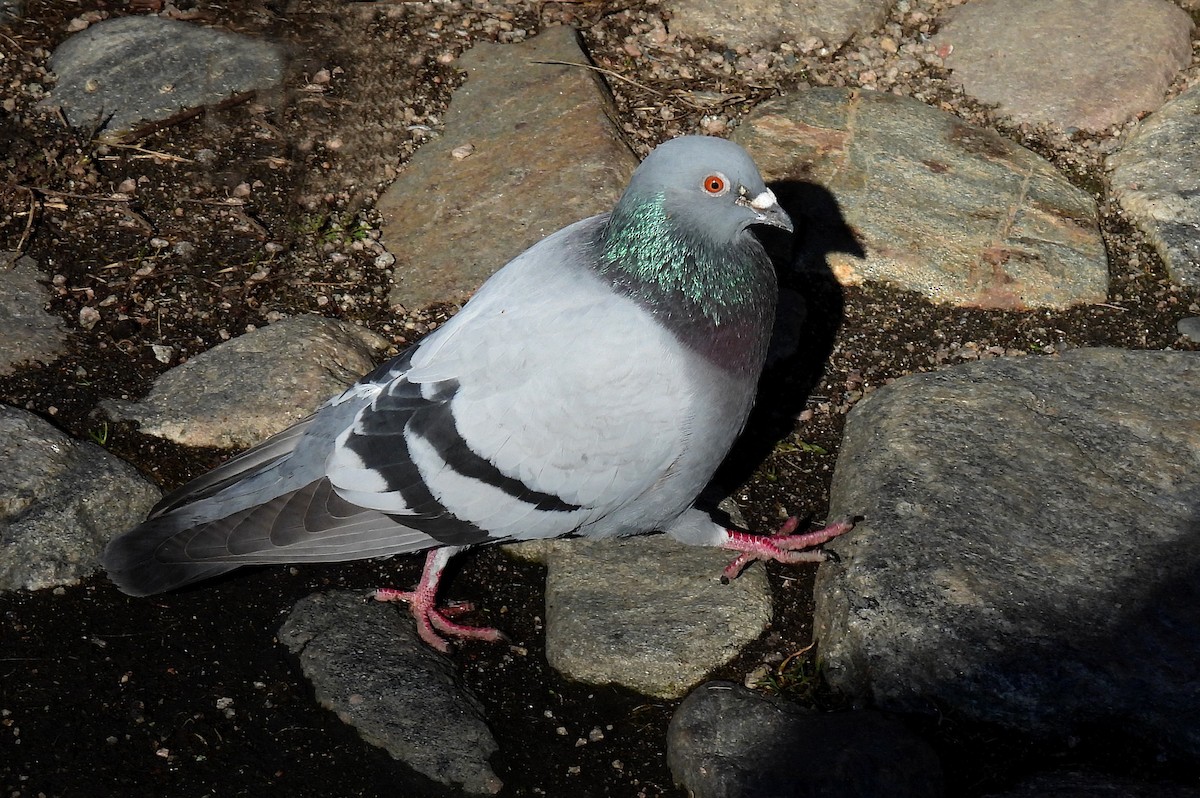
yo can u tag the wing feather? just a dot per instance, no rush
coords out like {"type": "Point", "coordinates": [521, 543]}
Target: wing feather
{"type": "Point", "coordinates": [252, 460]}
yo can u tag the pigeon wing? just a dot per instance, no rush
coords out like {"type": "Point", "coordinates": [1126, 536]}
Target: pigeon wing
{"type": "Point", "coordinates": [550, 402]}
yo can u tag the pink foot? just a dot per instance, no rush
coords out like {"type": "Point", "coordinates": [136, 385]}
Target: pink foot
{"type": "Point", "coordinates": [783, 546]}
{"type": "Point", "coordinates": [431, 620]}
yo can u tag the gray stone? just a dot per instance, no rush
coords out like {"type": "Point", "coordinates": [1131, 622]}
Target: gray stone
{"type": "Point", "coordinates": [1086, 784]}
{"type": "Point", "coordinates": [10, 10]}
{"type": "Point", "coordinates": [647, 612]}
{"type": "Point", "coordinates": [725, 741]}
{"type": "Point", "coordinates": [757, 23]}
{"type": "Point", "coordinates": [1073, 64]}
{"type": "Point", "coordinates": [61, 500]}
{"type": "Point", "coordinates": [1154, 177]}
{"type": "Point", "coordinates": [247, 389]}
{"type": "Point", "coordinates": [545, 154]}
{"type": "Point", "coordinates": [27, 331]}
{"type": "Point", "coordinates": [1190, 328]}
{"type": "Point", "coordinates": [957, 213]}
{"type": "Point", "coordinates": [1028, 556]}
{"type": "Point", "coordinates": [122, 71]}
{"type": "Point", "coordinates": [368, 666]}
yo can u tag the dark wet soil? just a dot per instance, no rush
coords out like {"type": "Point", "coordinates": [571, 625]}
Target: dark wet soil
{"type": "Point", "coordinates": [190, 693]}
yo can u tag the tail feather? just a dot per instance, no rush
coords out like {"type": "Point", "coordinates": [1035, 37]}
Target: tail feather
{"type": "Point", "coordinates": [311, 524]}
{"type": "Point", "coordinates": [133, 566]}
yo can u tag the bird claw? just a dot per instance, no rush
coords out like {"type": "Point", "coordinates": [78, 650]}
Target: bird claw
{"type": "Point", "coordinates": [431, 620]}
{"type": "Point", "coordinates": [783, 546]}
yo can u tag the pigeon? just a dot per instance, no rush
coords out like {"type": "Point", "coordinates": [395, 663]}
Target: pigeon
{"type": "Point", "coordinates": [590, 387]}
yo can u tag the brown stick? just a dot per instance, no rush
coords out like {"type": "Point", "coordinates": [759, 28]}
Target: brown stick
{"type": "Point", "coordinates": [191, 113]}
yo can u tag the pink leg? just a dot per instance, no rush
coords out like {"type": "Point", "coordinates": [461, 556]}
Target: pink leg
{"type": "Point", "coordinates": [782, 546]}
{"type": "Point", "coordinates": [422, 603]}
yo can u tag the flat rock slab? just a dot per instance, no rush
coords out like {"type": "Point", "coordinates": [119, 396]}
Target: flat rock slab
{"type": "Point", "coordinates": [123, 71]}
{"type": "Point", "coordinates": [725, 741]}
{"type": "Point", "coordinates": [1154, 178]}
{"type": "Point", "coordinates": [958, 213]}
{"type": "Point", "coordinates": [647, 613]}
{"type": "Point", "coordinates": [1071, 64]}
{"type": "Point", "coordinates": [528, 148]}
{"type": "Point", "coordinates": [758, 23]}
{"type": "Point", "coordinates": [1029, 556]}
{"type": "Point", "coordinates": [61, 500]}
{"type": "Point", "coordinates": [245, 390]}
{"type": "Point", "coordinates": [27, 331]}
{"type": "Point", "coordinates": [367, 665]}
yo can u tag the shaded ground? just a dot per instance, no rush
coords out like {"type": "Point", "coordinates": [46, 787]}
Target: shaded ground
{"type": "Point", "coordinates": [189, 694]}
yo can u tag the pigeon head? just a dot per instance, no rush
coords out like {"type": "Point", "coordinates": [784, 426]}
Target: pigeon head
{"type": "Point", "coordinates": [679, 239]}
{"type": "Point", "coordinates": [708, 183]}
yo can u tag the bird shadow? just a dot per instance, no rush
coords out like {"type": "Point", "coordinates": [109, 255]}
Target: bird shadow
{"type": "Point", "coordinates": [809, 315]}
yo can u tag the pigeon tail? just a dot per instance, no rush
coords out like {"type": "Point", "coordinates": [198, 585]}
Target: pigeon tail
{"type": "Point", "coordinates": [133, 565]}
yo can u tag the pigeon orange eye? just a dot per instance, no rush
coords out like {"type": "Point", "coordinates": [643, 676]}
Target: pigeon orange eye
{"type": "Point", "coordinates": [715, 184]}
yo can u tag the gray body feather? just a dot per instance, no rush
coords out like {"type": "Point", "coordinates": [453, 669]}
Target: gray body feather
{"type": "Point", "coordinates": [559, 400]}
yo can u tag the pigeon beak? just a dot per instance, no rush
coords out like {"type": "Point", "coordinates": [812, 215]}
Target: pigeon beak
{"type": "Point", "coordinates": [766, 210]}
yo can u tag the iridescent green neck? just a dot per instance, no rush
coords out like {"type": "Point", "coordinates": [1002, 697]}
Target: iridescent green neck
{"type": "Point", "coordinates": [649, 255]}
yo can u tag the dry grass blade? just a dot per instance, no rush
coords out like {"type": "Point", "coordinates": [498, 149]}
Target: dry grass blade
{"type": "Point", "coordinates": [603, 71]}
{"type": "Point", "coordinates": [147, 153]}
{"type": "Point", "coordinates": [33, 203]}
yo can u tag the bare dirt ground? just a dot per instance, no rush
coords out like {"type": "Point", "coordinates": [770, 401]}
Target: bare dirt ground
{"type": "Point", "coordinates": [189, 694]}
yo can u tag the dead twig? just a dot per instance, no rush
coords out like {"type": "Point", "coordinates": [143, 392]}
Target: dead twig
{"type": "Point", "coordinates": [234, 208]}
{"type": "Point", "coordinates": [86, 197]}
{"type": "Point", "coordinates": [251, 224]}
{"type": "Point", "coordinates": [228, 202]}
{"type": "Point", "coordinates": [603, 71]}
{"type": "Point", "coordinates": [183, 116]}
{"type": "Point", "coordinates": [783, 665]}
{"type": "Point", "coordinates": [138, 220]}
{"type": "Point", "coordinates": [33, 202]}
{"type": "Point", "coordinates": [146, 153]}
{"type": "Point", "coordinates": [121, 201]}
{"type": "Point", "coordinates": [14, 43]}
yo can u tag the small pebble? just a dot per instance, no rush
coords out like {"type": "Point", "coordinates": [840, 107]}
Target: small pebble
{"type": "Point", "coordinates": [1190, 328]}
{"type": "Point", "coordinates": [88, 317]}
